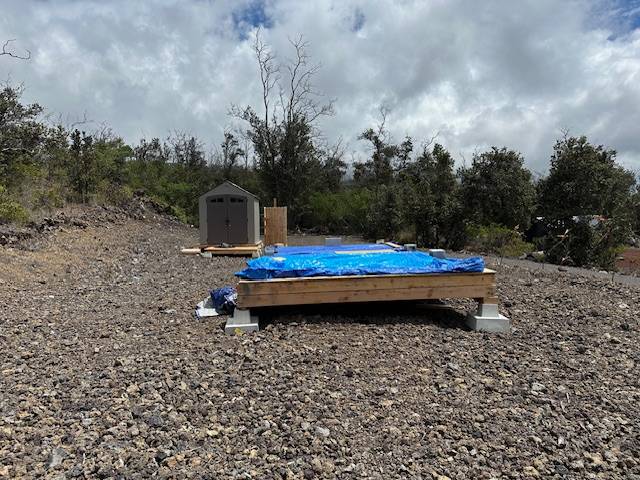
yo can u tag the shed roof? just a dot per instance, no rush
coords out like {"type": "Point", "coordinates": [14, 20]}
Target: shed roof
{"type": "Point", "coordinates": [233, 185]}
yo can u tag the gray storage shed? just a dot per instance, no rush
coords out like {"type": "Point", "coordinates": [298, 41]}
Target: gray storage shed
{"type": "Point", "coordinates": [229, 214]}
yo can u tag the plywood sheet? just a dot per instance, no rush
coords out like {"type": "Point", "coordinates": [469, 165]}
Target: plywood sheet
{"type": "Point", "coordinates": [275, 225]}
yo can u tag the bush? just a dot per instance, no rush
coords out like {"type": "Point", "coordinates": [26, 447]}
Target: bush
{"type": "Point", "coordinates": [10, 210]}
{"type": "Point", "coordinates": [49, 198]}
{"type": "Point", "coordinates": [588, 242]}
{"type": "Point", "coordinates": [110, 194]}
{"type": "Point", "coordinates": [342, 212]}
{"type": "Point", "coordinates": [497, 240]}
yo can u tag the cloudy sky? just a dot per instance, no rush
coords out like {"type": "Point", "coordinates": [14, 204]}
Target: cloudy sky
{"type": "Point", "coordinates": [478, 73]}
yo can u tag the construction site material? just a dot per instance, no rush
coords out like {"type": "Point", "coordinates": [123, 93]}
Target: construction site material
{"type": "Point", "coordinates": [334, 264]}
{"type": "Point", "coordinates": [332, 241]}
{"type": "Point", "coordinates": [253, 250]}
{"type": "Point", "coordinates": [191, 251]}
{"type": "Point", "coordinates": [240, 250]}
{"type": "Point", "coordinates": [374, 288]}
{"type": "Point", "coordinates": [364, 288]}
{"type": "Point", "coordinates": [241, 321]}
{"type": "Point", "coordinates": [224, 299]}
{"type": "Point", "coordinates": [275, 225]}
{"type": "Point", "coordinates": [487, 318]}
{"type": "Point", "coordinates": [229, 214]}
{"type": "Point", "coordinates": [206, 309]}
{"type": "Point", "coordinates": [437, 252]}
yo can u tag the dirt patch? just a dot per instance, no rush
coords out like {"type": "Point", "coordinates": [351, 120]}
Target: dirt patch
{"type": "Point", "coordinates": [105, 372]}
{"type": "Point", "coordinates": [629, 261]}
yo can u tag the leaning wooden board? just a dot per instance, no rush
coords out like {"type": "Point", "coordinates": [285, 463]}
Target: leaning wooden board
{"type": "Point", "coordinates": [366, 288]}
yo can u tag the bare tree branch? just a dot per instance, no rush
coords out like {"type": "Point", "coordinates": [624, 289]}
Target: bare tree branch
{"type": "Point", "coordinates": [429, 142]}
{"type": "Point", "coordinates": [11, 54]}
{"type": "Point", "coordinates": [269, 71]}
{"type": "Point", "coordinates": [302, 95]}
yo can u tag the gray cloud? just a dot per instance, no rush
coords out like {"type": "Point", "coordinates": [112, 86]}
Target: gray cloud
{"type": "Point", "coordinates": [479, 73]}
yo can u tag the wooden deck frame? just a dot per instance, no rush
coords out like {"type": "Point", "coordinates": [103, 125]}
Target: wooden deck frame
{"type": "Point", "coordinates": [369, 288]}
{"type": "Point", "coordinates": [480, 286]}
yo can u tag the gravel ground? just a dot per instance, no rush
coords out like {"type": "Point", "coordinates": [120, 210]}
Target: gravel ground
{"type": "Point", "coordinates": [105, 373]}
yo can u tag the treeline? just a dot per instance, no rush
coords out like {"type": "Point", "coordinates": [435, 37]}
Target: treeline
{"type": "Point", "coordinates": [582, 212]}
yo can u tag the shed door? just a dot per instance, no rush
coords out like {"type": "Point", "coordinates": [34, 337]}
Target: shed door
{"type": "Point", "coordinates": [238, 221]}
{"type": "Point", "coordinates": [216, 220]}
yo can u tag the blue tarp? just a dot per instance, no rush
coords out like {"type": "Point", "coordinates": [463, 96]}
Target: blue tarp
{"type": "Point", "coordinates": [317, 249]}
{"type": "Point", "coordinates": [224, 299]}
{"type": "Point", "coordinates": [336, 264]}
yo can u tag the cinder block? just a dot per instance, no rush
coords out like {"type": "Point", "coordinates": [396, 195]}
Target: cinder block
{"type": "Point", "coordinates": [494, 324]}
{"type": "Point", "coordinates": [241, 320]}
{"type": "Point", "coordinates": [488, 310]}
{"type": "Point", "coordinates": [437, 253]}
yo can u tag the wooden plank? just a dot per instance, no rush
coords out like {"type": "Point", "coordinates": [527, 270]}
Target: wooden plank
{"type": "Point", "coordinates": [418, 293]}
{"type": "Point", "coordinates": [230, 249]}
{"type": "Point", "coordinates": [240, 253]}
{"type": "Point", "coordinates": [248, 250]}
{"type": "Point", "coordinates": [485, 272]}
{"type": "Point", "coordinates": [359, 282]}
{"type": "Point", "coordinates": [489, 300]}
{"type": "Point", "coordinates": [275, 225]}
{"type": "Point", "coordinates": [190, 251]}
{"type": "Point", "coordinates": [238, 245]}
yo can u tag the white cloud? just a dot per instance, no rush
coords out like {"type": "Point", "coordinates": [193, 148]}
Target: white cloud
{"type": "Point", "coordinates": [479, 73]}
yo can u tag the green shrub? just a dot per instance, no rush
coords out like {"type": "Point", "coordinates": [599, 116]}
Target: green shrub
{"type": "Point", "coordinates": [110, 194]}
{"type": "Point", "coordinates": [10, 210]}
{"type": "Point", "coordinates": [341, 212]}
{"type": "Point", "coordinates": [587, 242]}
{"type": "Point", "coordinates": [497, 240]}
{"type": "Point", "coordinates": [49, 198]}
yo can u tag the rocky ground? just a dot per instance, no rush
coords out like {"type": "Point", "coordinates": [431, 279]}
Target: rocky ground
{"type": "Point", "coordinates": [105, 373]}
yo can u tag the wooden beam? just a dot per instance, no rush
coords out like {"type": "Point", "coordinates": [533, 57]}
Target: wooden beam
{"type": "Point", "coordinates": [361, 282]}
{"type": "Point", "coordinates": [370, 288]}
{"type": "Point", "coordinates": [361, 295]}
{"type": "Point", "coordinates": [190, 251]}
{"type": "Point", "coordinates": [246, 250]}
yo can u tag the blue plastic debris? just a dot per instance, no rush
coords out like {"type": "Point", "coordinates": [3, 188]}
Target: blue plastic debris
{"type": "Point", "coordinates": [224, 300]}
{"type": "Point", "coordinates": [337, 264]}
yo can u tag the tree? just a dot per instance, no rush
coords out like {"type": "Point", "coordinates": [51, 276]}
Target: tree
{"type": "Point", "coordinates": [584, 180]}
{"type": "Point", "coordinates": [588, 199]}
{"type": "Point", "coordinates": [283, 136]}
{"type": "Point", "coordinates": [83, 164]}
{"type": "Point", "coordinates": [112, 154]}
{"type": "Point", "coordinates": [331, 169]}
{"type": "Point", "coordinates": [430, 201]}
{"type": "Point", "coordinates": [21, 136]}
{"type": "Point", "coordinates": [497, 188]}
{"type": "Point", "coordinates": [231, 153]}
{"type": "Point", "coordinates": [379, 170]}
{"type": "Point", "coordinates": [635, 206]}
